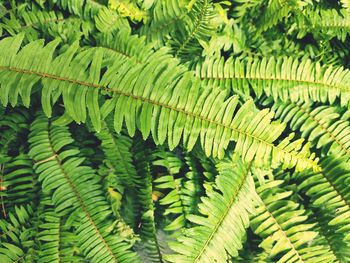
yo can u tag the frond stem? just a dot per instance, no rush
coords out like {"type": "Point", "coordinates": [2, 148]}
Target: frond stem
{"type": "Point", "coordinates": [146, 100]}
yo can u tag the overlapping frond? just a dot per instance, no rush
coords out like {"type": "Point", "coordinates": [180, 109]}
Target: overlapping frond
{"type": "Point", "coordinates": [329, 190]}
{"type": "Point", "coordinates": [287, 236]}
{"type": "Point", "coordinates": [76, 192]}
{"type": "Point", "coordinates": [324, 24]}
{"type": "Point", "coordinates": [50, 24]}
{"type": "Point", "coordinates": [56, 242]}
{"type": "Point", "coordinates": [224, 217]}
{"type": "Point", "coordinates": [119, 175]}
{"type": "Point", "coordinates": [275, 11]}
{"type": "Point", "coordinates": [123, 46]}
{"type": "Point", "coordinates": [150, 103]}
{"type": "Point", "coordinates": [164, 112]}
{"type": "Point", "coordinates": [322, 125]}
{"type": "Point", "coordinates": [192, 189]}
{"type": "Point", "coordinates": [143, 190]}
{"type": "Point", "coordinates": [166, 14]}
{"type": "Point", "coordinates": [285, 78]}
{"type": "Point", "coordinates": [13, 129]}
{"type": "Point", "coordinates": [16, 239]}
{"type": "Point", "coordinates": [18, 183]}
{"type": "Point", "coordinates": [117, 150]}
{"type": "Point", "coordinates": [194, 28]}
{"type": "Point", "coordinates": [108, 21]}
{"type": "Point", "coordinates": [339, 247]}
{"type": "Point", "coordinates": [82, 8]}
{"type": "Point", "coordinates": [171, 182]}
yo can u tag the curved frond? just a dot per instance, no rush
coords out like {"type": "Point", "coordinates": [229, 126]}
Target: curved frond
{"type": "Point", "coordinates": [167, 113]}
{"type": "Point", "coordinates": [144, 190]}
{"type": "Point", "coordinates": [76, 192]}
{"type": "Point", "coordinates": [287, 236]}
{"type": "Point", "coordinates": [171, 182]}
{"type": "Point", "coordinates": [16, 239]}
{"type": "Point", "coordinates": [56, 242]}
{"type": "Point", "coordinates": [324, 24]}
{"type": "Point", "coordinates": [50, 24]}
{"type": "Point", "coordinates": [156, 103]}
{"type": "Point", "coordinates": [18, 183]}
{"type": "Point", "coordinates": [195, 27]}
{"type": "Point", "coordinates": [224, 217]}
{"type": "Point", "coordinates": [174, 131]}
{"type": "Point", "coordinates": [117, 150]}
{"type": "Point", "coordinates": [323, 125]}
{"type": "Point", "coordinates": [166, 14]}
{"type": "Point", "coordinates": [330, 191]}
{"type": "Point", "coordinates": [274, 12]}
{"type": "Point", "coordinates": [82, 8]}
{"type": "Point", "coordinates": [283, 78]}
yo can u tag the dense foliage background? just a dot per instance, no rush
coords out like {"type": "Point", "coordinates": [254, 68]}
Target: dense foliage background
{"type": "Point", "coordinates": [174, 131]}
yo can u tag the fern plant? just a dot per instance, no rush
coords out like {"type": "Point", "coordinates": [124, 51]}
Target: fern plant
{"type": "Point", "coordinates": [174, 131]}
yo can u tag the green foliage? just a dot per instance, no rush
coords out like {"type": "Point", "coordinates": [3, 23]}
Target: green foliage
{"type": "Point", "coordinates": [75, 191]}
{"type": "Point", "coordinates": [174, 131]}
{"type": "Point", "coordinates": [223, 219]}
{"type": "Point", "coordinates": [330, 191]}
{"type": "Point", "coordinates": [285, 78]}
{"type": "Point", "coordinates": [322, 125]}
{"type": "Point", "coordinates": [324, 24]}
{"type": "Point", "coordinates": [282, 225]}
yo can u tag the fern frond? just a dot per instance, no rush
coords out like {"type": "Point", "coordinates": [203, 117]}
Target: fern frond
{"type": "Point", "coordinates": [170, 181]}
{"type": "Point", "coordinates": [13, 129]}
{"type": "Point", "coordinates": [339, 247]}
{"type": "Point", "coordinates": [108, 21]}
{"type": "Point", "coordinates": [76, 192]}
{"type": "Point", "coordinates": [224, 217]}
{"type": "Point", "coordinates": [274, 12]}
{"type": "Point", "coordinates": [324, 24]}
{"type": "Point", "coordinates": [50, 24]}
{"type": "Point", "coordinates": [121, 46]}
{"type": "Point", "coordinates": [208, 114]}
{"type": "Point", "coordinates": [161, 130]}
{"type": "Point", "coordinates": [146, 209]}
{"type": "Point", "coordinates": [283, 78]}
{"type": "Point", "coordinates": [118, 174]}
{"type": "Point", "coordinates": [321, 125]}
{"type": "Point", "coordinates": [192, 188]}
{"type": "Point", "coordinates": [287, 236]}
{"type": "Point", "coordinates": [166, 14]}
{"type": "Point", "coordinates": [15, 236]}
{"type": "Point", "coordinates": [19, 182]}
{"type": "Point", "coordinates": [195, 27]}
{"type": "Point", "coordinates": [82, 8]}
{"type": "Point", "coordinates": [56, 242]}
{"type": "Point", "coordinates": [329, 190]}
{"type": "Point", "coordinates": [117, 150]}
